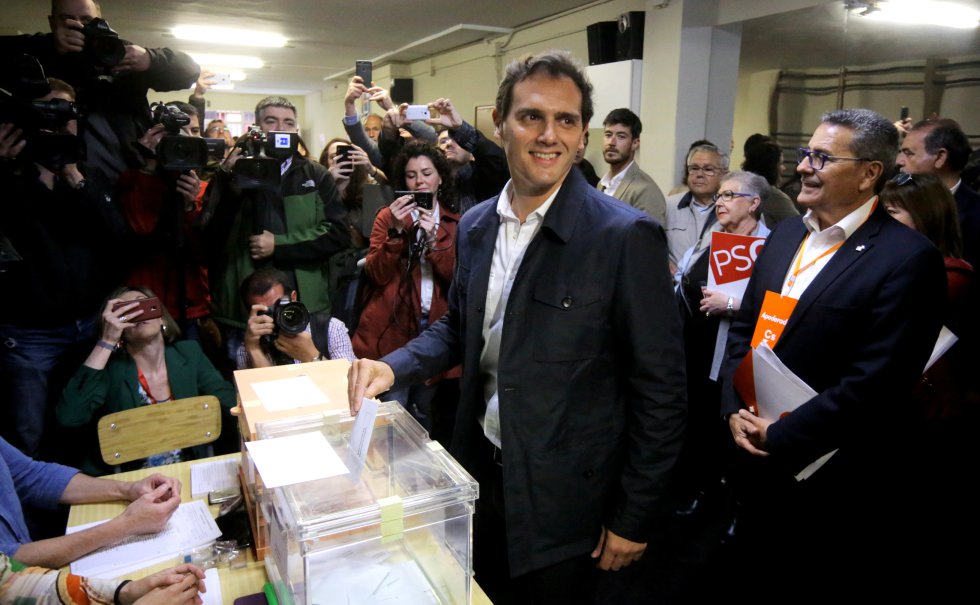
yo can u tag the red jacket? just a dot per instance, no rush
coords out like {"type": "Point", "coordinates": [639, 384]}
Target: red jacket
{"type": "Point", "coordinates": [392, 307]}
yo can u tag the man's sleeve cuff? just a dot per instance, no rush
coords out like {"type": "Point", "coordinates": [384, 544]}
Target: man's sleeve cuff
{"type": "Point", "coordinates": [350, 120]}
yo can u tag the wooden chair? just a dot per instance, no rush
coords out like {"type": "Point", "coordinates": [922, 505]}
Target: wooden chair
{"type": "Point", "coordinates": [154, 429]}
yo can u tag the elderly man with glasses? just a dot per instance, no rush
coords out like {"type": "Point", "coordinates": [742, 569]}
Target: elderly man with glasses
{"type": "Point", "coordinates": [691, 214]}
{"type": "Point", "coordinates": [851, 302]}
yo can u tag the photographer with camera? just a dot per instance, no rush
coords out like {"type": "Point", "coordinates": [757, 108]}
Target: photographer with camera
{"type": "Point", "coordinates": [281, 331]}
{"type": "Point", "coordinates": [160, 206]}
{"type": "Point", "coordinates": [111, 75]}
{"type": "Point", "coordinates": [65, 228]}
{"type": "Point", "coordinates": [269, 206]}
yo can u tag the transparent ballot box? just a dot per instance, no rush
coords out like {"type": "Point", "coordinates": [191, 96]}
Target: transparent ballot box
{"type": "Point", "coordinates": [397, 528]}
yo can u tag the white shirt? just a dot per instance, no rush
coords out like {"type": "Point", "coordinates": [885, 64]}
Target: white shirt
{"type": "Point", "coordinates": [427, 284]}
{"type": "Point", "coordinates": [609, 185]}
{"type": "Point", "coordinates": [819, 242]}
{"type": "Point", "coordinates": [512, 241]}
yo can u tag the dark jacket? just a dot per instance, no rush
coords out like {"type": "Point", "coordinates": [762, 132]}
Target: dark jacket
{"type": "Point", "coordinates": [591, 373]}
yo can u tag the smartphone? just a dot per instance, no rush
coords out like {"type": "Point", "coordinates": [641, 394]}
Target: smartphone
{"type": "Point", "coordinates": [344, 152]}
{"type": "Point", "coordinates": [150, 306]}
{"type": "Point", "coordinates": [417, 112]}
{"type": "Point", "coordinates": [224, 495]}
{"type": "Point", "coordinates": [422, 199]}
{"type": "Point", "coordinates": [363, 68]}
{"type": "Point", "coordinates": [904, 113]}
{"type": "Point", "coordinates": [221, 79]}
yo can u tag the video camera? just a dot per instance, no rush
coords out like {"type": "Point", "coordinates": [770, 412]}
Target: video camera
{"type": "Point", "coordinates": [42, 122]}
{"type": "Point", "coordinates": [264, 152]}
{"type": "Point", "coordinates": [177, 151]}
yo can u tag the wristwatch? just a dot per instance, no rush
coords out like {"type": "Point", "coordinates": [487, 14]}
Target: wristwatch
{"type": "Point", "coordinates": [730, 307]}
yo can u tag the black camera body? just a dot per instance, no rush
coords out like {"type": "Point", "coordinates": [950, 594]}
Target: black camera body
{"type": "Point", "coordinates": [103, 47]}
{"type": "Point", "coordinates": [263, 154]}
{"type": "Point", "coordinates": [176, 151]}
{"type": "Point", "coordinates": [41, 122]}
{"type": "Point", "coordinates": [289, 317]}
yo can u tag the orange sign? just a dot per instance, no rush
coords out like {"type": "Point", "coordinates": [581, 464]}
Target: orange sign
{"type": "Point", "coordinates": [775, 312]}
{"type": "Point", "coordinates": [733, 256]}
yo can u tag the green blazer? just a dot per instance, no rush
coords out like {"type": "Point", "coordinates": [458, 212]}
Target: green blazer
{"type": "Point", "coordinates": [91, 394]}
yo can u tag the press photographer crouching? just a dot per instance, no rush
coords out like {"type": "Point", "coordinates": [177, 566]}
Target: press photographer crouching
{"type": "Point", "coordinates": [161, 201]}
{"type": "Point", "coordinates": [280, 329]}
{"type": "Point", "coordinates": [62, 228]}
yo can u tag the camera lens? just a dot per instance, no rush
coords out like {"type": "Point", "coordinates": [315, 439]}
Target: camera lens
{"type": "Point", "coordinates": [293, 318]}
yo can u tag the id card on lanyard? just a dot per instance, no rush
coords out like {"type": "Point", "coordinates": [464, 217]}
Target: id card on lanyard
{"type": "Point", "coordinates": [773, 317]}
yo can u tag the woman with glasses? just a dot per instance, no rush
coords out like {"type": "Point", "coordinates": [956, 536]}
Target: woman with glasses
{"type": "Point", "coordinates": [708, 442]}
{"type": "Point", "coordinates": [923, 203]}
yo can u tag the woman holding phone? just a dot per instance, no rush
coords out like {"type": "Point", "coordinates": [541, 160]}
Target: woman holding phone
{"type": "Point", "coordinates": [139, 361]}
{"type": "Point", "coordinates": [408, 269]}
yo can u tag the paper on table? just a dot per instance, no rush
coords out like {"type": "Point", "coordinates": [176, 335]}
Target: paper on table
{"type": "Point", "coordinates": [213, 585]}
{"type": "Point", "coordinates": [211, 476]}
{"type": "Point", "coordinates": [275, 459]}
{"type": "Point", "coordinates": [190, 526]}
{"type": "Point", "coordinates": [943, 343]}
{"type": "Point", "coordinates": [289, 393]}
{"type": "Point", "coordinates": [779, 391]}
{"type": "Point", "coordinates": [360, 437]}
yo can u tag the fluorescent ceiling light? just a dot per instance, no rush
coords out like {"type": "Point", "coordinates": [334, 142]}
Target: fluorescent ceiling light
{"type": "Point", "coordinates": [228, 35]}
{"type": "Point", "coordinates": [919, 12]}
{"type": "Point", "coordinates": [236, 61]}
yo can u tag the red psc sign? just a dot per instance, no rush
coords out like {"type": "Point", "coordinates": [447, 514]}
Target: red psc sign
{"type": "Point", "coordinates": [733, 256]}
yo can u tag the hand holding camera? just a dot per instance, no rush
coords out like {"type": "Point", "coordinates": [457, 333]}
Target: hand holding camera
{"type": "Point", "coordinates": [444, 114]}
{"type": "Point", "coordinates": [11, 143]}
{"type": "Point", "coordinates": [401, 211]}
{"type": "Point", "coordinates": [136, 58]}
{"type": "Point", "coordinates": [188, 186]}
{"type": "Point", "coordinates": [69, 36]}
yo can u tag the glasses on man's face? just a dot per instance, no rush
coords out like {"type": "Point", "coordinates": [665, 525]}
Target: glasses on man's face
{"type": "Point", "coordinates": [729, 195]}
{"type": "Point", "coordinates": [902, 178]}
{"type": "Point", "coordinates": [705, 170]}
{"type": "Point", "coordinates": [818, 158]}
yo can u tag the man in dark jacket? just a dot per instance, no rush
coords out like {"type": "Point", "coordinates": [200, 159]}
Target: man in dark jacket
{"type": "Point", "coordinates": [111, 91]}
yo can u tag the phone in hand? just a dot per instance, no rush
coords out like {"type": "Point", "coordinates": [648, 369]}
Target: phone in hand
{"type": "Point", "coordinates": [422, 199]}
{"type": "Point", "coordinates": [904, 113]}
{"type": "Point", "coordinates": [221, 79]}
{"type": "Point", "coordinates": [417, 112]}
{"type": "Point", "coordinates": [150, 306]}
{"type": "Point", "coordinates": [363, 69]}
{"type": "Point", "coordinates": [343, 151]}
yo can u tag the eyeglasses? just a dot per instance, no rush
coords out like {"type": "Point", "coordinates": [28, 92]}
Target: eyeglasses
{"type": "Point", "coordinates": [727, 196]}
{"type": "Point", "coordinates": [819, 158]}
{"type": "Point", "coordinates": [705, 170]}
{"type": "Point", "coordinates": [902, 178]}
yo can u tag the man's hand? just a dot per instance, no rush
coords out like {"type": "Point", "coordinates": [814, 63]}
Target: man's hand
{"type": "Point", "coordinates": [10, 146]}
{"type": "Point", "coordinates": [394, 118]}
{"type": "Point", "coordinates": [448, 116]}
{"type": "Point", "coordinates": [188, 186]}
{"type": "Point", "coordinates": [204, 83]}
{"type": "Point", "coordinates": [382, 97]}
{"type": "Point", "coordinates": [259, 325]}
{"type": "Point", "coordinates": [749, 432]}
{"type": "Point", "coordinates": [298, 346]}
{"type": "Point", "coordinates": [179, 584]}
{"type": "Point", "coordinates": [228, 164]}
{"type": "Point", "coordinates": [137, 489]}
{"type": "Point", "coordinates": [262, 245]}
{"type": "Point", "coordinates": [367, 378]}
{"type": "Point", "coordinates": [615, 552]}
{"type": "Point", "coordinates": [355, 90]}
{"type": "Point", "coordinates": [68, 36]}
{"type": "Point", "coordinates": [137, 59]}
{"type": "Point", "coordinates": [149, 513]}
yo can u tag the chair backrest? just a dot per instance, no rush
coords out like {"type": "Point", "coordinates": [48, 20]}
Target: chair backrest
{"type": "Point", "coordinates": [154, 429]}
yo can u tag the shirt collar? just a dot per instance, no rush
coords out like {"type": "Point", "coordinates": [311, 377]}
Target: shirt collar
{"type": "Point", "coordinates": [505, 211]}
{"type": "Point", "coordinates": [849, 224]}
{"type": "Point", "coordinates": [956, 186]}
{"type": "Point", "coordinates": [612, 183]}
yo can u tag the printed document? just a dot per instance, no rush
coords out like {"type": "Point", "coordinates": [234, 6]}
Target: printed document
{"type": "Point", "coordinates": [295, 459]}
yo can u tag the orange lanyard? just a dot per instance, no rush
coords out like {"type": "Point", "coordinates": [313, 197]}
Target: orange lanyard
{"type": "Point", "coordinates": [797, 269]}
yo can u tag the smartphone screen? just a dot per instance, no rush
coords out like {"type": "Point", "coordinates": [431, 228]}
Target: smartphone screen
{"type": "Point", "coordinates": [150, 306]}
{"type": "Point", "coordinates": [344, 152]}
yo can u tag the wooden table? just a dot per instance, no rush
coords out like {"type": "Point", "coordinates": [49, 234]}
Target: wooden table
{"type": "Point", "coordinates": [234, 582]}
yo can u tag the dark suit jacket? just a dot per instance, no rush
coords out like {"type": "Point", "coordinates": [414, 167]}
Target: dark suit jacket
{"type": "Point", "coordinates": [860, 335]}
{"type": "Point", "coordinates": [591, 380]}
{"type": "Point", "coordinates": [968, 208]}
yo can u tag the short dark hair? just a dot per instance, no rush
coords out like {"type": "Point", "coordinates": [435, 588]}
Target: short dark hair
{"type": "Point", "coordinates": [626, 118]}
{"type": "Point", "coordinates": [413, 149]}
{"type": "Point", "coordinates": [932, 208]}
{"type": "Point", "coordinates": [184, 107]}
{"type": "Point", "coordinates": [875, 138]}
{"type": "Point", "coordinates": [946, 134]}
{"type": "Point", "coordinates": [763, 158]}
{"type": "Point", "coordinates": [261, 281]}
{"type": "Point", "coordinates": [274, 101]}
{"type": "Point", "coordinates": [555, 63]}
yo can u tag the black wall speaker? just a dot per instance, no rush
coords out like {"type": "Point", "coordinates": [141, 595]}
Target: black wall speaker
{"type": "Point", "coordinates": [402, 90]}
{"type": "Point", "coordinates": [602, 42]}
{"type": "Point", "coordinates": [629, 36]}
